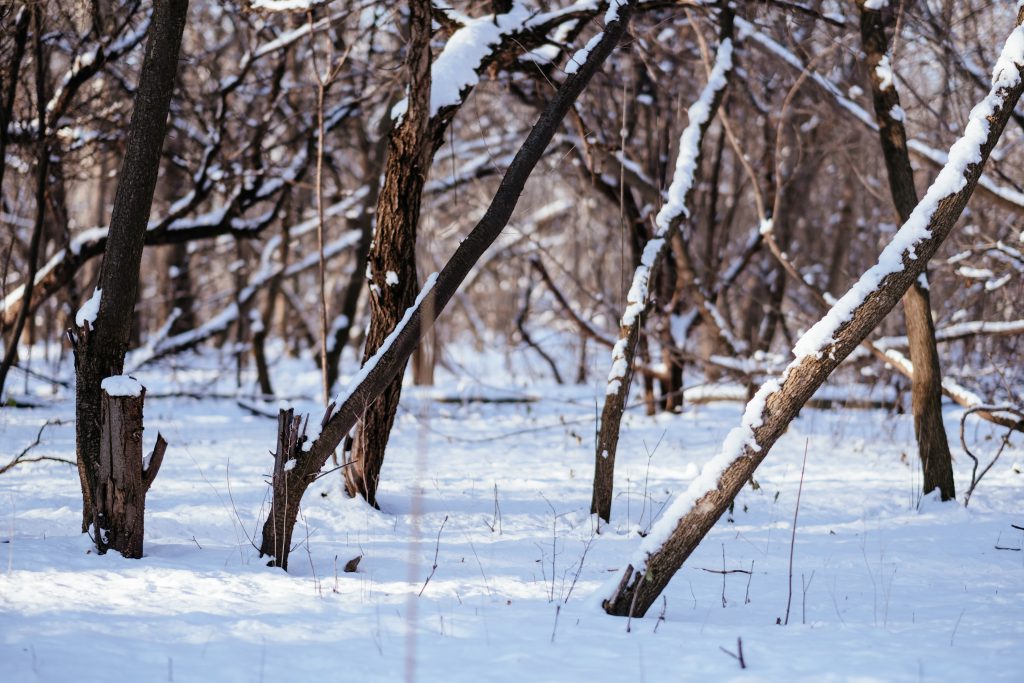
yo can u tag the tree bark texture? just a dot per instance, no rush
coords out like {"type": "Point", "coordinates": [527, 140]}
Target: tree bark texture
{"type": "Point", "coordinates": [391, 268]}
{"type": "Point", "coordinates": [100, 346]}
{"type": "Point", "coordinates": [677, 534]}
{"type": "Point", "coordinates": [121, 479]}
{"type": "Point", "coordinates": [390, 360]}
{"type": "Point", "coordinates": [926, 383]}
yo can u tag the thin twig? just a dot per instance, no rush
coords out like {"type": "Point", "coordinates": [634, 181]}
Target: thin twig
{"type": "Point", "coordinates": [437, 549]}
{"type": "Point", "coordinates": [20, 457]}
{"type": "Point", "coordinates": [792, 540]}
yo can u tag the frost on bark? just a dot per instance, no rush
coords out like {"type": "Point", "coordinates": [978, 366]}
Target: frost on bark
{"type": "Point", "coordinates": [926, 382]}
{"type": "Point", "coordinates": [692, 515]}
{"type": "Point", "coordinates": [672, 215]}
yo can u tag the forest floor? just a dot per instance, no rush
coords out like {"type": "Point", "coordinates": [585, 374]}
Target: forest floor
{"type": "Point", "coordinates": [885, 586]}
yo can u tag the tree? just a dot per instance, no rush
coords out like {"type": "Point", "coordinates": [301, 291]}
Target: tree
{"type": "Point", "coordinates": [926, 396]}
{"type": "Point", "coordinates": [101, 342]}
{"type": "Point", "coordinates": [689, 518]}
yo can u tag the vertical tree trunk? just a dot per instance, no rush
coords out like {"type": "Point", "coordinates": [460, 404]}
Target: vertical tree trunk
{"type": "Point", "coordinates": [101, 342]}
{"type": "Point", "coordinates": [42, 171]}
{"type": "Point", "coordinates": [123, 478]}
{"type": "Point", "coordinates": [926, 383]}
{"type": "Point", "coordinates": [392, 262]}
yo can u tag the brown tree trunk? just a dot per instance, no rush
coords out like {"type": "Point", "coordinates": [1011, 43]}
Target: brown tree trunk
{"type": "Point", "coordinates": [42, 171]}
{"type": "Point", "coordinates": [926, 383]}
{"type": "Point", "coordinates": [686, 522]}
{"type": "Point", "coordinates": [391, 269]}
{"type": "Point", "coordinates": [100, 345]}
{"type": "Point", "coordinates": [122, 477]}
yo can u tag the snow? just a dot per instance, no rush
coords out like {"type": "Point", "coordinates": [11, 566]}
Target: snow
{"type": "Point", "coordinates": [950, 180]}
{"type": "Point", "coordinates": [285, 5]}
{"type": "Point", "coordinates": [86, 315]}
{"type": "Point", "coordinates": [580, 56]}
{"type": "Point", "coordinates": [900, 593]}
{"type": "Point", "coordinates": [122, 386]}
{"type": "Point", "coordinates": [884, 72]}
{"type": "Point", "coordinates": [455, 69]}
{"type": "Point", "coordinates": [876, 4]}
{"type": "Point", "coordinates": [391, 278]}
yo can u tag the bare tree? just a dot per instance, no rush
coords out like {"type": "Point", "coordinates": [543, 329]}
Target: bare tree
{"type": "Point", "coordinates": [819, 352]}
{"type": "Point", "coordinates": [101, 342]}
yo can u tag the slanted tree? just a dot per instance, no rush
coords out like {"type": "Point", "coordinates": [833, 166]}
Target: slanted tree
{"type": "Point", "coordinates": [101, 340]}
{"type": "Point", "coordinates": [674, 213]}
{"type": "Point", "coordinates": [692, 515]}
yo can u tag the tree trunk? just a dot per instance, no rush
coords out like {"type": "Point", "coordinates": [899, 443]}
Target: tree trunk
{"type": "Point", "coordinates": [42, 171]}
{"type": "Point", "coordinates": [391, 269]}
{"type": "Point", "coordinates": [123, 478]}
{"type": "Point", "coordinates": [692, 515]}
{"type": "Point", "coordinates": [926, 383]}
{"type": "Point", "coordinates": [100, 344]}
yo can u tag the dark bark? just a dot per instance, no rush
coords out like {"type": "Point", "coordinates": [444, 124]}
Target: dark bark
{"type": "Point", "coordinates": [11, 85]}
{"type": "Point", "coordinates": [42, 173]}
{"type": "Point", "coordinates": [926, 383]}
{"type": "Point", "coordinates": [393, 253]}
{"type": "Point", "coordinates": [122, 478]}
{"type": "Point", "coordinates": [390, 361]}
{"type": "Point", "coordinates": [626, 348]}
{"type": "Point", "coordinates": [641, 585]}
{"type": "Point", "coordinates": [100, 347]}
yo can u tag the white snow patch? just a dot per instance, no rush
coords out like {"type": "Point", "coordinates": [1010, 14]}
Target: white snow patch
{"type": "Point", "coordinates": [391, 278]}
{"type": "Point", "coordinates": [121, 385]}
{"type": "Point", "coordinates": [86, 315]}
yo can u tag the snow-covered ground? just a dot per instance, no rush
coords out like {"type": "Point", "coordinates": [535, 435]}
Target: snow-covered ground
{"type": "Point", "coordinates": [499, 492]}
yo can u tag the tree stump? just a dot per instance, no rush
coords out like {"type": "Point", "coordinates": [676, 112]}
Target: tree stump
{"type": "Point", "coordinates": [123, 477]}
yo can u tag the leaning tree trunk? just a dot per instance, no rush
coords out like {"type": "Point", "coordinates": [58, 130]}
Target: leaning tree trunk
{"type": "Point", "coordinates": [926, 383]}
{"type": "Point", "coordinates": [391, 268]}
{"type": "Point", "coordinates": [104, 324]}
{"type": "Point", "coordinates": [669, 219]}
{"type": "Point", "coordinates": [291, 482]}
{"type": "Point", "coordinates": [692, 515]}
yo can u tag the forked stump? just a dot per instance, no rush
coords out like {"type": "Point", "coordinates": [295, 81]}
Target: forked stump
{"type": "Point", "coordinates": [123, 478]}
{"type": "Point", "coordinates": [288, 484]}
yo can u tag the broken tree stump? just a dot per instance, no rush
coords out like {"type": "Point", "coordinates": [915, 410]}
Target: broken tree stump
{"type": "Point", "coordinates": [123, 477]}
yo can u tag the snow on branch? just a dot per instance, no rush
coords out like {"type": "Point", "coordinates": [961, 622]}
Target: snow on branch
{"type": "Point", "coordinates": [692, 514]}
{"type": "Point", "coordinates": [674, 209]}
